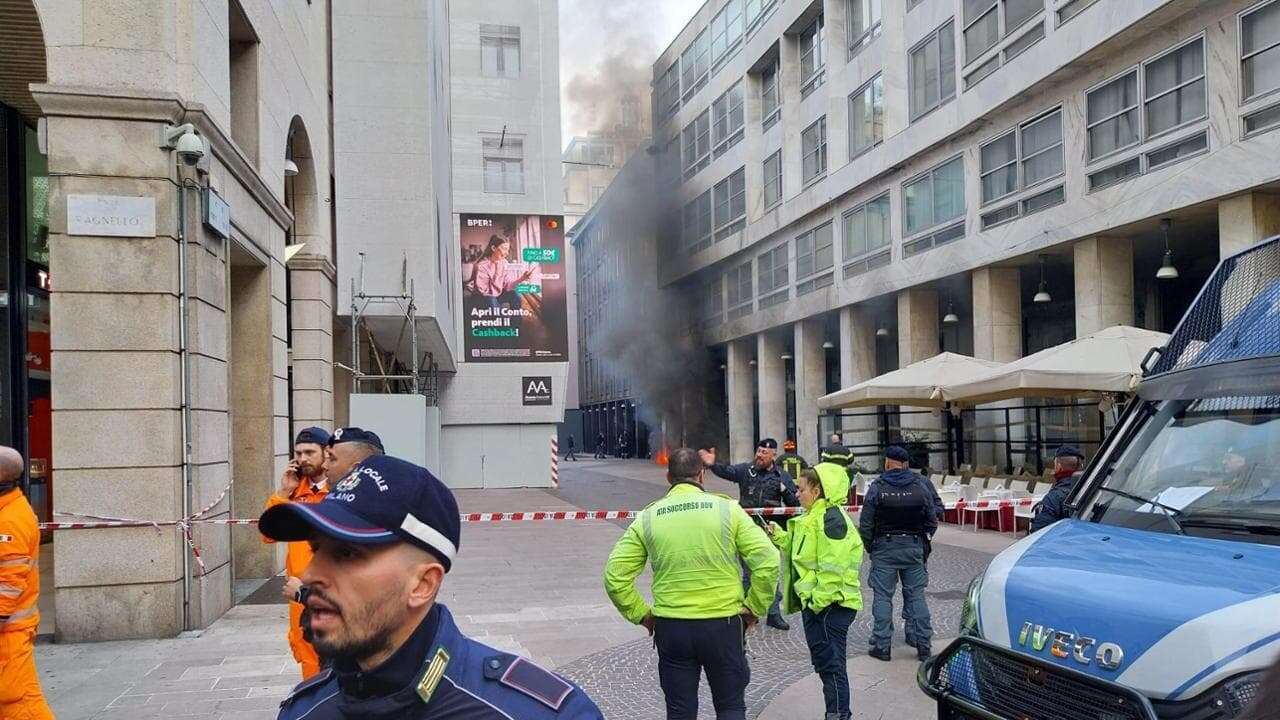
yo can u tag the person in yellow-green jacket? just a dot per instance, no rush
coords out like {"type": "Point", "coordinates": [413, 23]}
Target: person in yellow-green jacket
{"type": "Point", "coordinates": [821, 557]}
{"type": "Point", "coordinates": [700, 613]}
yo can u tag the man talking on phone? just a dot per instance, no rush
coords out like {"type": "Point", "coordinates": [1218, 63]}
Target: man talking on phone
{"type": "Point", "coordinates": [303, 481]}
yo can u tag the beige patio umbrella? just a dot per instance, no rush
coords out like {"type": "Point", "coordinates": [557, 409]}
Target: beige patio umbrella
{"type": "Point", "coordinates": [1108, 361]}
{"type": "Point", "coordinates": [914, 385]}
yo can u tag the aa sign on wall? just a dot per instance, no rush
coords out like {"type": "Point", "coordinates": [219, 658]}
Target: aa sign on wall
{"type": "Point", "coordinates": [536, 390]}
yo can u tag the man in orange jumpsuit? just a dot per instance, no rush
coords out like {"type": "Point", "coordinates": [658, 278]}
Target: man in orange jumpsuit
{"type": "Point", "coordinates": [20, 696]}
{"type": "Point", "coordinates": [303, 481]}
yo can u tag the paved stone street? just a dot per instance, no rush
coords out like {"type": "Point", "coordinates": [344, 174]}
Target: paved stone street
{"type": "Point", "coordinates": [532, 588]}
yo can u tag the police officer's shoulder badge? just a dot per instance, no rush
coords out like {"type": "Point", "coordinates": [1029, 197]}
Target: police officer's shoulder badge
{"type": "Point", "coordinates": [431, 677]}
{"type": "Point", "coordinates": [528, 678]}
{"type": "Point", "coordinates": [348, 483]}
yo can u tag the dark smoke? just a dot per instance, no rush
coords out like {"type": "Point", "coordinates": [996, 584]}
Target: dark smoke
{"type": "Point", "coordinates": [650, 337]}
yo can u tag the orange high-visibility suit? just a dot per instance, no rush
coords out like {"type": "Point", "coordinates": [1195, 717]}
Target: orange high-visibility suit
{"type": "Point", "coordinates": [297, 559]}
{"type": "Point", "coordinates": [20, 696]}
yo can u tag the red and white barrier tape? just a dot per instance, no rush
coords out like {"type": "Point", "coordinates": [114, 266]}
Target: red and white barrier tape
{"type": "Point", "coordinates": [519, 516]}
{"type": "Point", "coordinates": [555, 461]}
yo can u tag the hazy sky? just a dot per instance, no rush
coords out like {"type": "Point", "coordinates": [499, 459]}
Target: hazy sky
{"type": "Point", "coordinates": [591, 31]}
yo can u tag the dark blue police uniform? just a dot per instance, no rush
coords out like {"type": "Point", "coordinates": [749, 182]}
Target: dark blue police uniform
{"type": "Point", "coordinates": [439, 673]}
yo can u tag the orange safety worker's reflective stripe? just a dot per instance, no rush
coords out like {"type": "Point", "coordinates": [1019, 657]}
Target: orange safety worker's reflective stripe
{"type": "Point", "coordinates": [19, 556]}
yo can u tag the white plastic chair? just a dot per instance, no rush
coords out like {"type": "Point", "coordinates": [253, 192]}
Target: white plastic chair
{"type": "Point", "coordinates": [994, 497]}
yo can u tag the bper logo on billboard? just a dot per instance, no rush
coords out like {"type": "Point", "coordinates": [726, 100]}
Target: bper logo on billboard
{"type": "Point", "coordinates": [536, 390]}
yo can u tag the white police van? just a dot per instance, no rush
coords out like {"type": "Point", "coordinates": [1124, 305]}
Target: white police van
{"type": "Point", "coordinates": [1159, 597]}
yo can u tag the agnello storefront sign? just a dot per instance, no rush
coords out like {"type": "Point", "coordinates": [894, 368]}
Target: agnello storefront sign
{"type": "Point", "coordinates": [113, 215]}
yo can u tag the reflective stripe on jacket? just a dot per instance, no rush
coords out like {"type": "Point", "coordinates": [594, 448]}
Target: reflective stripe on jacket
{"type": "Point", "coordinates": [19, 563]}
{"type": "Point", "coordinates": [821, 550]}
{"type": "Point", "coordinates": [694, 540]}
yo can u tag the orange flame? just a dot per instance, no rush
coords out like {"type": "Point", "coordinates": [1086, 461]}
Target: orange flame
{"type": "Point", "coordinates": [661, 457]}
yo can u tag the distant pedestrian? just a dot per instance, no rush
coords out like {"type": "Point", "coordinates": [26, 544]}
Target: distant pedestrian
{"type": "Point", "coordinates": [600, 446]}
{"type": "Point", "coordinates": [695, 541]}
{"type": "Point", "coordinates": [898, 518]}
{"type": "Point", "coordinates": [569, 454]}
{"type": "Point", "coordinates": [824, 553]}
{"type": "Point", "coordinates": [835, 439]}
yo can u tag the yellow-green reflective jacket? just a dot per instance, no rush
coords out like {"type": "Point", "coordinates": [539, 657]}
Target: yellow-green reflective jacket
{"type": "Point", "coordinates": [821, 550]}
{"type": "Point", "coordinates": [693, 540]}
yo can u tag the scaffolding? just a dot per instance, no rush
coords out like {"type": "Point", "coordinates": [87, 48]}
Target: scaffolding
{"type": "Point", "coordinates": [423, 373]}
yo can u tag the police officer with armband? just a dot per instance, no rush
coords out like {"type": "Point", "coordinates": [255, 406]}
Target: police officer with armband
{"type": "Point", "coordinates": [897, 519]}
{"type": "Point", "coordinates": [761, 484]}
{"type": "Point", "coordinates": [695, 540]}
{"type": "Point", "coordinates": [384, 538]}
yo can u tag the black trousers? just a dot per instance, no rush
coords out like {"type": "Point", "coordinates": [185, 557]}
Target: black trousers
{"type": "Point", "coordinates": [688, 647]}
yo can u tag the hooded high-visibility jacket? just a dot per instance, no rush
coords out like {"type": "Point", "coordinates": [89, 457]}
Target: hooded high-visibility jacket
{"type": "Point", "coordinates": [693, 538]}
{"type": "Point", "coordinates": [295, 561]}
{"type": "Point", "coordinates": [20, 695]}
{"type": "Point", "coordinates": [821, 549]}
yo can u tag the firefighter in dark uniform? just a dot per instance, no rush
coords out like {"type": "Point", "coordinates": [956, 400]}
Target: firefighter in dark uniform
{"type": "Point", "coordinates": [384, 537]}
{"type": "Point", "coordinates": [1067, 462]}
{"type": "Point", "coordinates": [898, 517]}
{"type": "Point", "coordinates": [790, 462]}
{"type": "Point", "coordinates": [761, 484]}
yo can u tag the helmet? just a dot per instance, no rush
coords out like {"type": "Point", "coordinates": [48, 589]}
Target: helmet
{"type": "Point", "coordinates": [789, 445]}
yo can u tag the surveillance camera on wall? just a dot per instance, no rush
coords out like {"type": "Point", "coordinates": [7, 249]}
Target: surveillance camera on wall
{"type": "Point", "coordinates": [190, 148]}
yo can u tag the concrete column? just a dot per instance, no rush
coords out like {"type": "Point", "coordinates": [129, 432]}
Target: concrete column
{"type": "Point", "coordinates": [811, 384]}
{"type": "Point", "coordinates": [771, 374]}
{"type": "Point", "coordinates": [740, 382]}
{"type": "Point", "coordinates": [997, 335]}
{"type": "Point", "coordinates": [918, 340]}
{"type": "Point", "coordinates": [917, 325]}
{"type": "Point", "coordinates": [1104, 284]}
{"type": "Point", "coordinates": [1244, 220]}
{"type": "Point", "coordinates": [857, 363]}
{"type": "Point", "coordinates": [252, 343]}
{"type": "Point", "coordinates": [311, 286]}
{"type": "Point", "coordinates": [997, 314]}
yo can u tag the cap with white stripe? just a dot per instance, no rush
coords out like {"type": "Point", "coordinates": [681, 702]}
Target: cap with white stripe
{"type": "Point", "coordinates": [382, 500]}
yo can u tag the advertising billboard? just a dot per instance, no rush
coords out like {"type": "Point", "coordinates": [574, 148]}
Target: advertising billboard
{"type": "Point", "coordinates": [514, 297]}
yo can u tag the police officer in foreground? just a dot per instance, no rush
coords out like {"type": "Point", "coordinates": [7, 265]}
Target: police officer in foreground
{"type": "Point", "coordinates": [761, 483]}
{"type": "Point", "coordinates": [1067, 462]}
{"type": "Point", "coordinates": [898, 518]}
{"type": "Point", "coordinates": [789, 461]}
{"type": "Point", "coordinates": [700, 614]}
{"type": "Point", "coordinates": [384, 538]}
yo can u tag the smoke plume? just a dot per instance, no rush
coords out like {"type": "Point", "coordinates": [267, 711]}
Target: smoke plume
{"type": "Point", "coordinates": [607, 49]}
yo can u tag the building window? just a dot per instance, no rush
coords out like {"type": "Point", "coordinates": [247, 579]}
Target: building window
{"type": "Point", "coordinates": [773, 179]}
{"type": "Point", "coordinates": [697, 223]}
{"type": "Point", "coordinates": [695, 64]}
{"type": "Point", "coordinates": [500, 51]}
{"type": "Point", "coordinates": [712, 301]}
{"type": "Point", "coordinates": [242, 58]}
{"type": "Point", "coordinates": [987, 21]}
{"type": "Point", "coordinates": [726, 30]}
{"type": "Point", "coordinates": [770, 95]}
{"type": "Point", "coordinates": [1073, 9]}
{"type": "Point", "coordinates": [863, 22]}
{"type": "Point", "coordinates": [669, 91]}
{"type": "Point", "coordinates": [815, 257]}
{"type": "Point", "coordinates": [1172, 94]}
{"type": "Point", "coordinates": [1262, 120]}
{"type": "Point", "coordinates": [731, 204]}
{"type": "Point", "coordinates": [728, 118]}
{"type": "Point", "coordinates": [503, 164]}
{"type": "Point", "coordinates": [771, 276]}
{"type": "Point", "coordinates": [811, 57]}
{"type": "Point", "coordinates": [866, 116]}
{"type": "Point", "coordinates": [697, 144]}
{"type": "Point", "coordinates": [755, 11]}
{"type": "Point", "coordinates": [934, 197]}
{"type": "Point", "coordinates": [932, 68]}
{"type": "Point", "coordinates": [813, 145]}
{"type": "Point", "coordinates": [1023, 157]}
{"type": "Point", "coordinates": [1260, 50]}
{"type": "Point", "coordinates": [866, 228]}
{"type": "Point", "coordinates": [738, 290]}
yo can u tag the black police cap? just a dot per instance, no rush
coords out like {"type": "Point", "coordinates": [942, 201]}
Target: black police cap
{"type": "Point", "coordinates": [355, 434]}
